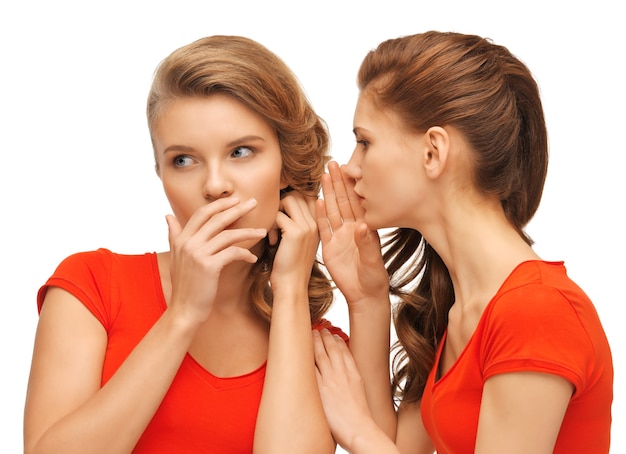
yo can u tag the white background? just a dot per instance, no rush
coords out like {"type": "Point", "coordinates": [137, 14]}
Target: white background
{"type": "Point", "coordinates": [76, 169]}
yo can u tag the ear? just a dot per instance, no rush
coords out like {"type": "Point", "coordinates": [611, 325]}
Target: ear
{"type": "Point", "coordinates": [436, 152]}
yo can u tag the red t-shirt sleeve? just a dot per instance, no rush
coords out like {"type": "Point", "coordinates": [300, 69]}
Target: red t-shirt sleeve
{"type": "Point", "coordinates": [323, 323]}
{"type": "Point", "coordinates": [535, 328]}
{"type": "Point", "coordinates": [85, 276]}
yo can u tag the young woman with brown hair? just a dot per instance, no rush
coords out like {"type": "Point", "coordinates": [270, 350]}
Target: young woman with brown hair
{"type": "Point", "coordinates": [499, 351]}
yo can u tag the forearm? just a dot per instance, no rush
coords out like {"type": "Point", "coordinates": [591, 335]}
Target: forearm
{"type": "Point", "coordinates": [372, 441]}
{"type": "Point", "coordinates": [370, 346]}
{"type": "Point", "coordinates": [114, 418]}
{"type": "Point", "coordinates": [291, 416]}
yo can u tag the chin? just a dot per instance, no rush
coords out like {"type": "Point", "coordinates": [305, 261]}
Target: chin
{"type": "Point", "coordinates": [375, 223]}
{"type": "Point", "coordinates": [371, 222]}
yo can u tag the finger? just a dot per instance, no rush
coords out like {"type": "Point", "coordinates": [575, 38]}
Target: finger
{"type": "Point", "coordinates": [353, 198]}
{"type": "Point", "coordinates": [224, 240]}
{"type": "Point", "coordinates": [339, 355]}
{"type": "Point", "coordinates": [273, 235]}
{"type": "Point", "coordinates": [323, 226]}
{"type": "Point", "coordinates": [311, 202]}
{"type": "Point", "coordinates": [340, 183]}
{"type": "Point", "coordinates": [294, 206]}
{"type": "Point", "coordinates": [208, 211]}
{"type": "Point", "coordinates": [330, 200]}
{"type": "Point", "coordinates": [346, 356]}
{"type": "Point", "coordinates": [208, 223]}
{"type": "Point", "coordinates": [368, 243]}
{"type": "Point", "coordinates": [297, 213]}
{"type": "Point", "coordinates": [173, 228]}
{"type": "Point", "coordinates": [333, 349]}
{"type": "Point", "coordinates": [204, 251]}
{"type": "Point", "coordinates": [301, 208]}
{"type": "Point", "coordinates": [322, 362]}
{"type": "Point", "coordinates": [229, 255]}
{"type": "Point", "coordinates": [300, 242]}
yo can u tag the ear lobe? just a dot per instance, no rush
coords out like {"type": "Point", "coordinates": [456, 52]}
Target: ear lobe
{"type": "Point", "coordinates": [436, 153]}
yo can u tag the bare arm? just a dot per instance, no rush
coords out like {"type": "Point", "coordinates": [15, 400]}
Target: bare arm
{"type": "Point", "coordinates": [412, 437]}
{"type": "Point", "coordinates": [66, 411]}
{"type": "Point", "coordinates": [522, 412]}
{"type": "Point", "coordinates": [291, 417]}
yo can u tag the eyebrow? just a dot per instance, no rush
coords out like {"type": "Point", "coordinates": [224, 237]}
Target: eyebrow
{"type": "Point", "coordinates": [244, 139]}
{"type": "Point", "coordinates": [177, 148]}
{"type": "Point", "coordinates": [358, 129]}
{"type": "Point", "coordinates": [233, 143]}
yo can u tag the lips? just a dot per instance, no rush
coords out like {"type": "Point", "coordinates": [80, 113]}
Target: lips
{"type": "Point", "coordinates": [360, 197]}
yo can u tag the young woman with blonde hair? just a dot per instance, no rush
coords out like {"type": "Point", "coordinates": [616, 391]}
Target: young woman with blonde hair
{"type": "Point", "coordinates": [206, 347]}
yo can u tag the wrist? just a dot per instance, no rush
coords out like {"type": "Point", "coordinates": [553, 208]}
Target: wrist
{"type": "Point", "coordinates": [289, 291]}
{"type": "Point", "coordinates": [182, 321]}
{"type": "Point", "coordinates": [371, 439]}
{"type": "Point", "coordinates": [371, 305]}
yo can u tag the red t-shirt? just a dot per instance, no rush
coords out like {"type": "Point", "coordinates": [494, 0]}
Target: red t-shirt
{"type": "Point", "coordinates": [200, 412]}
{"type": "Point", "coordinates": [539, 321]}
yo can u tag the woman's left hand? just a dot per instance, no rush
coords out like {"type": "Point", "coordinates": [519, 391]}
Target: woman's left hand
{"type": "Point", "coordinates": [341, 389]}
{"type": "Point", "coordinates": [299, 241]}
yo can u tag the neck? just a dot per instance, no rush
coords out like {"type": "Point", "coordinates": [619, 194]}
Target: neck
{"type": "Point", "coordinates": [480, 248]}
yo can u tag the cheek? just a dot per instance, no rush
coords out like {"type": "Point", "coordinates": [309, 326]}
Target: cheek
{"type": "Point", "coordinates": [387, 201]}
{"type": "Point", "coordinates": [181, 204]}
{"type": "Point", "coordinates": [268, 198]}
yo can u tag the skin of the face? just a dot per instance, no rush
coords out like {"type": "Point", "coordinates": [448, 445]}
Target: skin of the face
{"type": "Point", "coordinates": [212, 147]}
{"type": "Point", "coordinates": [387, 167]}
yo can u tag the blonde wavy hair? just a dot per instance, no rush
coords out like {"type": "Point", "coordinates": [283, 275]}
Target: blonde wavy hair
{"type": "Point", "coordinates": [250, 73]}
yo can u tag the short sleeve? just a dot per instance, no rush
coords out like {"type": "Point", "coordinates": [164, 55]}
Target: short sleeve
{"type": "Point", "coordinates": [86, 275]}
{"type": "Point", "coordinates": [536, 328]}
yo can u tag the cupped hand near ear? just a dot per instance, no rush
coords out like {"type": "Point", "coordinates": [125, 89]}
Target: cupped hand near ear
{"type": "Point", "coordinates": [350, 250]}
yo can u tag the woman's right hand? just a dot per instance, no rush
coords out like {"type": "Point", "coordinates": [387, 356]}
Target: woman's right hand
{"type": "Point", "coordinates": [67, 408]}
{"type": "Point", "coordinates": [202, 248]}
{"type": "Point", "coordinates": [350, 250]}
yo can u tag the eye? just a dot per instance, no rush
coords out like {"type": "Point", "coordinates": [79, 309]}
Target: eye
{"type": "Point", "coordinates": [182, 161]}
{"type": "Point", "coordinates": [364, 143]}
{"type": "Point", "coordinates": [241, 152]}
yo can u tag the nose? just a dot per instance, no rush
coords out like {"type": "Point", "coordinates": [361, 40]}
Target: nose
{"type": "Point", "coordinates": [353, 168]}
{"type": "Point", "coordinates": [217, 183]}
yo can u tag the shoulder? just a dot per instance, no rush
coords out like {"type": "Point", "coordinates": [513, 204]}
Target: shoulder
{"type": "Point", "coordinates": [85, 259]}
{"type": "Point", "coordinates": [538, 290]}
{"type": "Point", "coordinates": [541, 320]}
{"type": "Point", "coordinates": [99, 261]}
{"type": "Point", "coordinates": [91, 272]}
